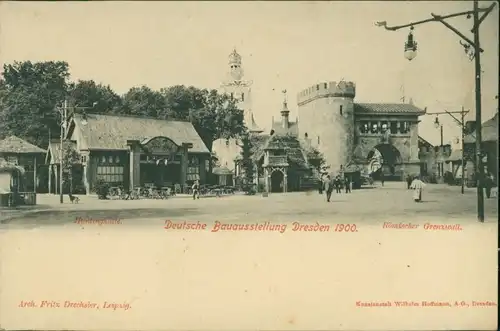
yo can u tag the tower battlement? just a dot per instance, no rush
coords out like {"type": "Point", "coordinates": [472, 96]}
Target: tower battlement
{"type": "Point", "coordinates": [323, 90]}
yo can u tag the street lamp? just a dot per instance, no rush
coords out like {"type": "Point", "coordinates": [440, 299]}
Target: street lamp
{"type": "Point", "coordinates": [438, 125]}
{"type": "Point", "coordinates": [473, 50]}
{"type": "Point", "coordinates": [410, 46]}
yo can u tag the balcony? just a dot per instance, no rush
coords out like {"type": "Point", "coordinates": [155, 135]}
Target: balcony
{"type": "Point", "coordinates": [276, 161]}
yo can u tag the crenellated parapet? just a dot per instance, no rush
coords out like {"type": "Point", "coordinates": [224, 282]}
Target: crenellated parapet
{"type": "Point", "coordinates": [323, 90]}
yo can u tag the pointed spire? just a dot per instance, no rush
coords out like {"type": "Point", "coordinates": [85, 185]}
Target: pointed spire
{"type": "Point", "coordinates": [285, 103]}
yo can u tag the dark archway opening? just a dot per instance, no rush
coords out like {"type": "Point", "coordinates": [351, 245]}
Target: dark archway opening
{"type": "Point", "coordinates": [390, 161]}
{"type": "Point", "coordinates": [277, 181]}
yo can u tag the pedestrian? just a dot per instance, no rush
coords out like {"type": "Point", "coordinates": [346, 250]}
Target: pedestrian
{"type": "Point", "coordinates": [196, 190]}
{"type": "Point", "coordinates": [338, 184]}
{"type": "Point", "coordinates": [382, 178]}
{"type": "Point", "coordinates": [328, 185]}
{"type": "Point", "coordinates": [488, 184]}
{"type": "Point", "coordinates": [320, 185]}
{"type": "Point", "coordinates": [417, 185]}
{"type": "Point", "coordinates": [347, 183]}
{"type": "Point", "coordinates": [409, 179]}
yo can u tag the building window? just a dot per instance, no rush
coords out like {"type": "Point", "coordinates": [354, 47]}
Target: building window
{"type": "Point", "coordinates": [394, 127]}
{"type": "Point", "coordinates": [340, 109]}
{"type": "Point", "coordinates": [374, 128]}
{"type": "Point", "coordinates": [405, 127]}
{"type": "Point", "coordinates": [306, 135]}
{"type": "Point", "coordinates": [384, 127]}
{"type": "Point", "coordinates": [110, 174]}
{"type": "Point", "coordinates": [110, 159]}
{"type": "Point", "coordinates": [83, 159]}
{"type": "Point", "coordinates": [232, 96]}
{"type": "Point", "coordinates": [364, 128]}
{"type": "Point", "coordinates": [207, 165]}
{"type": "Point", "coordinates": [317, 87]}
{"type": "Point", "coordinates": [117, 159]}
{"type": "Point", "coordinates": [242, 96]}
{"type": "Point", "coordinates": [326, 85]}
{"type": "Point", "coordinates": [318, 140]}
{"type": "Point", "coordinates": [193, 172]}
{"type": "Point", "coordinates": [194, 160]}
{"type": "Point", "coordinates": [103, 159]}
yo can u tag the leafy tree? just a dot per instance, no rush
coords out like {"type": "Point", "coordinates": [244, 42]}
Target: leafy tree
{"type": "Point", "coordinates": [142, 101]}
{"type": "Point", "coordinates": [29, 95]}
{"type": "Point", "coordinates": [213, 115]}
{"type": "Point", "coordinates": [246, 159]}
{"type": "Point", "coordinates": [70, 158]}
{"type": "Point", "coordinates": [101, 98]}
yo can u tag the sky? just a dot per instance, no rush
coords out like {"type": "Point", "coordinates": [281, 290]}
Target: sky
{"type": "Point", "coordinates": [284, 45]}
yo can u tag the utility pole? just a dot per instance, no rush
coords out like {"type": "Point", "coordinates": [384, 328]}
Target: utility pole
{"type": "Point", "coordinates": [479, 163]}
{"type": "Point", "coordinates": [64, 117]}
{"type": "Point", "coordinates": [460, 122]}
{"type": "Point", "coordinates": [473, 50]}
{"type": "Point", "coordinates": [463, 150]}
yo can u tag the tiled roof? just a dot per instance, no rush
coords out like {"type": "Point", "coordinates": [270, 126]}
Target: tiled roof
{"type": "Point", "coordinates": [387, 108]}
{"type": "Point", "coordinates": [112, 132]}
{"type": "Point", "coordinates": [293, 128]}
{"type": "Point", "coordinates": [489, 131]}
{"type": "Point", "coordinates": [17, 145]}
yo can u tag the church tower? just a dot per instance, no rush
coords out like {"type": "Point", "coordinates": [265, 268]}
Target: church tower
{"type": "Point", "coordinates": [240, 90]}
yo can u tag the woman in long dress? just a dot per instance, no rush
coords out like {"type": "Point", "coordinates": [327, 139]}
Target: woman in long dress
{"type": "Point", "coordinates": [417, 186]}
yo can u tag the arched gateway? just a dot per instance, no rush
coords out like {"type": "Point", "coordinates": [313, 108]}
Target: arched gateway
{"type": "Point", "coordinates": [384, 159]}
{"type": "Point", "coordinates": [159, 161]}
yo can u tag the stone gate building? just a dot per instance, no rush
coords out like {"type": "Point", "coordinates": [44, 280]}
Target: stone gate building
{"type": "Point", "coordinates": [349, 133]}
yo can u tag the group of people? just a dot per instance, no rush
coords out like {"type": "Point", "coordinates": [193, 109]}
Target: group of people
{"type": "Point", "coordinates": [337, 183]}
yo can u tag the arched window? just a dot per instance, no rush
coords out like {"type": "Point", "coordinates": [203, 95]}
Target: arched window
{"type": "Point", "coordinates": [306, 135]}
{"type": "Point", "coordinates": [242, 96]}
{"type": "Point", "coordinates": [384, 127]}
{"type": "Point", "coordinates": [341, 110]}
{"type": "Point", "coordinates": [374, 128]}
{"type": "Point", "coordinates": [364, 128]}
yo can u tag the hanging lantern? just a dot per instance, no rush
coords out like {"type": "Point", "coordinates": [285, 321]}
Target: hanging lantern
{"type": "Point", "coordinates": [410, 46]}
{"type": "Point", "coordinates": [436, 123]}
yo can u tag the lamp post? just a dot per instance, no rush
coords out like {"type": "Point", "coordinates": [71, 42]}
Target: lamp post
{"type": "Point", "coordinates": [63, 112]}
{"type": "Point", "coordinates": [473, 50]}
{"type": "Point", "coordinates": [460, 122]}
{"type": "Point", "coordinates": [439, 126]}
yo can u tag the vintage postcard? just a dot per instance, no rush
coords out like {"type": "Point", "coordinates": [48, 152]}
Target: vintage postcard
{"type": "Point", "coordinates": [249, 165]}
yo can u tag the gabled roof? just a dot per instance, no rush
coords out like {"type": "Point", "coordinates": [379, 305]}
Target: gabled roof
{"type": "Point", "coordinates": [425, 142]}
{"type": "Point", "coordinates": [293, 128]}
{"type": "Point", "coordinates": [291, 145]}
{"type": "Point", "coordinates": [54, 152]}
{"type": "Point", "coordinates": [387, 109]}
{"type": "Point", "coordinates": [17, 145]}
{"type": "Point", "coordinates": [489, 131]}
{"type": "Point", "coordinates": [110, 132]}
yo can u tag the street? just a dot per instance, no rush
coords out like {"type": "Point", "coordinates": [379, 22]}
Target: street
{"type": "Point", "coordinates": [392, 202]}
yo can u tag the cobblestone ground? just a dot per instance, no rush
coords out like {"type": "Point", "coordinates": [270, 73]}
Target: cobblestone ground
{"type": "Point", "coordinates": [393, 203]}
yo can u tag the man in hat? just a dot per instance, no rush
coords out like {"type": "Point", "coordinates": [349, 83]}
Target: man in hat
{"type": "Point", "coordinates": [328, 185]}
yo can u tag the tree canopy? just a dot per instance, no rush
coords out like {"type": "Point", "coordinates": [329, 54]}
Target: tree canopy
{"type": "Point", "coordinates": [30, 94]}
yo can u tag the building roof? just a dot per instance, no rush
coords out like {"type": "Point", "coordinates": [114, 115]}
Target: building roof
{"type": "Point", "coordinates": [456, 155]}
{"type": "Point", "coordinates": [110, 132]}
{"type": "Point", "coordinates": [17, 145]}
{"type": "Point", "coordinates": [423, 141]}
{"type": "Point", "coordinates": [489, 131]}
{"type": "Point", "coordinates": [387, 109]}
{"type": "Point", "coordinates": [53, 151]}
{"type": "Point", "coordinates": [293, 128]}
{"type": "Point", "coordinates": [253, 127]}
{"type": "Point", "coordinates": [222, 171]}
{"type": "Point", "coordinates": [291, 145]}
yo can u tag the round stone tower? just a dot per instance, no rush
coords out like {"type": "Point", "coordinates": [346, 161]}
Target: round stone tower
{"type": "Point", "coordinates": [326, 117]}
